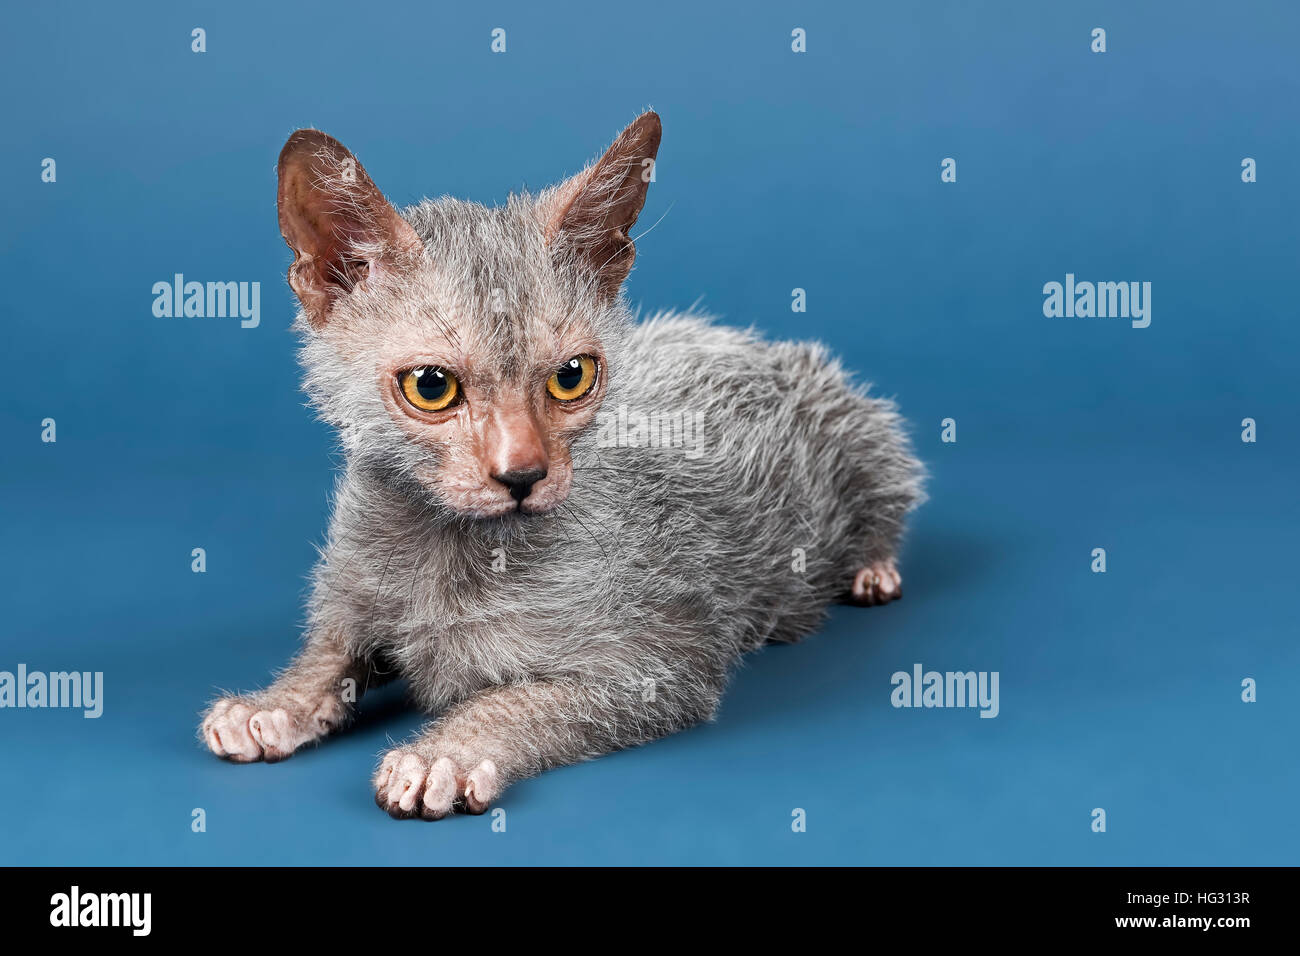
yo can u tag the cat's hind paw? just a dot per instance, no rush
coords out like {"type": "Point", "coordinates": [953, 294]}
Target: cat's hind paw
{"type": "Point", "coordinates": [410, 785]}
{"type": "Point", "coordinates": [878, 583]}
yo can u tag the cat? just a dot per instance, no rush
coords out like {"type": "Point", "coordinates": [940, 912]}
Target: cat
{"type": "Point", "coordinates": [552, 588]}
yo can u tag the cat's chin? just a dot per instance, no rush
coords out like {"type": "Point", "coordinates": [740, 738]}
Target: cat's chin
{"type": "Point", "coordinates": [503, 527]}
{"type": "Point", "coordinates": [512, 515]}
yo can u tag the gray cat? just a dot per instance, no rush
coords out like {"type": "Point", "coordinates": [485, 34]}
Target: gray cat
{"type": "Point", "coordinates": [561, 525]}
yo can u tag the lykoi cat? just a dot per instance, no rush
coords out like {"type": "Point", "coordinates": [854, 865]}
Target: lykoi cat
{"type": "Point", "coordinates": [549, 597]}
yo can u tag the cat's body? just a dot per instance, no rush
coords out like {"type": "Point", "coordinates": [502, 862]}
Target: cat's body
{"type": "Point", "coordinates": [631, 564]}
{"type": "Point", "coordinates": [614, 613]}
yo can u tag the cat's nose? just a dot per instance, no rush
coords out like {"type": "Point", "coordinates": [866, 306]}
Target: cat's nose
{"type": "Point", "coordinates": [521, 482]}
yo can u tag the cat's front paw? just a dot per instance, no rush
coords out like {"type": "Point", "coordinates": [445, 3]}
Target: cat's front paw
{"type": "Point", "coordinates": [245, 730]}
{"type": "Point", "coordinates": [410, 784]}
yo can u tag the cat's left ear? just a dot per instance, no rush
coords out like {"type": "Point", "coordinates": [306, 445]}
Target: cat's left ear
{"type": "Point", "coordinates": [593, 213]}
{"type": "Point", "coordinates": [338, 223]}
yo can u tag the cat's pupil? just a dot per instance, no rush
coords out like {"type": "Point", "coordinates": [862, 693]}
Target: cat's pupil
{"type": "Point", "coordinates": [570, 375]}
{"type": "Point", "coordinates": [431, 383]}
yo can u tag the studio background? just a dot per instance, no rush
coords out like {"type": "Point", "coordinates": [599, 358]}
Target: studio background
{"type": "Point", "coordinates": [778, 170]}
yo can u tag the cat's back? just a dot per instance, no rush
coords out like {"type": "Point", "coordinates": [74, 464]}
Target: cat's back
{"type": "Point", "coordinates": [750, 396]}
{"type": "Point", "coordinates": [684, 357]}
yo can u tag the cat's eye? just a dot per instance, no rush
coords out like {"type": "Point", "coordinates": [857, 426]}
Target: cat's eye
{"type": "Point", "coordinates": [429, 389]}
{"type": "Point", "coordinates": [573, 379]}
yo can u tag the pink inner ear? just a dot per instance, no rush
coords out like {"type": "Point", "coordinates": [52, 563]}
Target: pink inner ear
{"type": "Point", "coordinates": [562, 201]}
{"type": "Point", "coordinates": [335, 219]}
{"type": "Point", "coordinates": [595, 210]}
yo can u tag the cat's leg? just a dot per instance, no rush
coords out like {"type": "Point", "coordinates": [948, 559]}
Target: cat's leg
{"type": "Point", "coordinates": [314, 696]}
{"type": "Point", "coordinates": [875, 578]}
{"type": "Point", "coordinates": [506, 733]}
{"type": "Point", "coordinates": [877, 583]}
{"type": "Point", "coordinates": [880, 482]}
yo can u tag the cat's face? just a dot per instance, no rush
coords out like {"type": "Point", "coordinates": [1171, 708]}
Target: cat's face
{"type": "Point", "coordinates": [460, 349]}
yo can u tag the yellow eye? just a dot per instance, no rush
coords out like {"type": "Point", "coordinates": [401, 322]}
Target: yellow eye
{"type": "Point", "coordinates": [429, 389]}
{"type": "Point", "coordinates": [573, 380]}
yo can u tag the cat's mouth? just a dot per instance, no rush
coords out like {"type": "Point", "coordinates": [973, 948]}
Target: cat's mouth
{"type": "Point", "coordinates": [511, 516]}
{"type": "Point", "coordinates": [515, 511]}
{"type": "Point", "coordinates": [481, 505]}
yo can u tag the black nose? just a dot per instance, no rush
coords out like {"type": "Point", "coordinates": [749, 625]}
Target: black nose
{"type": "Point", "coordinates": [521, 483]}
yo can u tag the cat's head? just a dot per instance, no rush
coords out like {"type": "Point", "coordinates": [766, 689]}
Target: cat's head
{"type": "Point", "coordinates": [461, 350]}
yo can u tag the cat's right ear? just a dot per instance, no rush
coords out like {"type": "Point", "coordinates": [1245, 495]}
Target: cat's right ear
{"type": "Point", "coordinates": [338, 224]}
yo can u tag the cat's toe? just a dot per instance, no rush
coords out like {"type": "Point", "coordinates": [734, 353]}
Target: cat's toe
{"type": "Point", "coordinates": [481, 787]}
{"type": "Point", "coordinates": [226, 731]}
{"type": "Point", "coordinates": [440, 790]}
{"type": "Point", "coordinates": [399, 783]}
{"type": "Point", "coordinates": [878, 583]}
{"type": "Point", "coordinates": [276, 733]}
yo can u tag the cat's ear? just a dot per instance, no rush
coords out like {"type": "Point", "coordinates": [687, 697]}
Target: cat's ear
{"type": "Point", "coordinates": [592, 214]}
{"type": "Point", "coordinates": [336, 221]}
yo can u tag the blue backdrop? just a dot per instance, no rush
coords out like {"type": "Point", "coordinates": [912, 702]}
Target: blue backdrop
{"type": "Point", "coordinates": [779, 170]}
